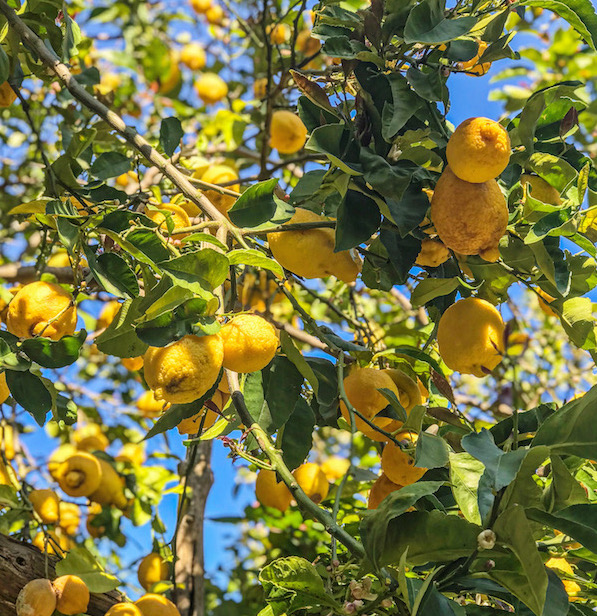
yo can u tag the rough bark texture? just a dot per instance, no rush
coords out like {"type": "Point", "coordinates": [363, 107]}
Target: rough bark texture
{"type": "Point", "coordinates": [21, 562]}
{"type": "Point", "coordinates": [189, 571]}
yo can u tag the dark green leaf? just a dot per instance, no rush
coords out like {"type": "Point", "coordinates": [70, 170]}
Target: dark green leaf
{"type": "Point", "coordinates": [30, 392]}
{"type": "Point", "coordinates": [431, 451]}
{"type": "Point", "coordinates": [358, 219]}
{"type": "Point", "coordinates": [297, 434]}
{"type": "Point", "coordinates": [54, 354]}
{"type": "Point", "coordinates": [256, 205]}
{"type": "Point", "coordinates": [200, 271]}
{"type": "Point", "coordinates": [427, 24]}
{"type": "Point", "coordinates": [402, 252]}
{"type": "Point", "coordinates": [170, 135]}
{"type": "Point", "coordinates": [109, 165]}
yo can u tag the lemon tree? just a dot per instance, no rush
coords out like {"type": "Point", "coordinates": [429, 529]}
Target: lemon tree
{"type": "Point", "coordinates": [255, 226]}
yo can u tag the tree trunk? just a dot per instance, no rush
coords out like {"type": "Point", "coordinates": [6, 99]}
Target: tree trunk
{"type": "Point", "coordinates": [189, 566]}
{"type": "Point", "coordinates": [22, 562]}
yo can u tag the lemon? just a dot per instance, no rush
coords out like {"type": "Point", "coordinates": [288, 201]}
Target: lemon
{"type": "Point", "coordinates": [399, 467]}
{"type": "Point", "coordinates": [211, 88]}
{"type": "Point", "coordinates": [149, 406]}
{"type": "Point", "coordinates": [131, 453]}
{"type": "Point", "coordinates": [310, 253]}
{"type": "Point", "coordinates": [361, 387]}
{"type": "Point", "coordinates": [57, 542]}
{"type": "Point", "coordinates": [472, 66]}
{"type": "Point", "coordinates": [260, 88]}
{"type": "Point", "coordinates": [250, 343]}
{"type": "Point", "coordinates": [80, 474]}
{"type": "Point", "coordinates": [193, 56]}
{"type": "Point", "coordinates": [7, 432]}
{"type": "Point", "coordinates": [90, 438]}
{"type": "Point", "coordinates": [124, 609]}
{"type": "Point", "coordinates": [562, 565]}
{"type": "Point", "coordinates": [335, 467]}
{"type": "Point", "coordinates": [152, 569]}
{"type": "Point", "coordinates": [42, 309]}
{"type": "Point", "coordinates": [544, 300]}
{"type": "Point", "coordinates": [72, 595]}
{"type": "Point", "coordinates": [7, 95]}
{"type": "Point", "coordinates": [178, 216]}
{"type": "Point", "coordinates": [94, 531]}
{"type": "Point", "coordinates": [108, 314]}
{"type": "Point", "coordinates": [288, 134]}
{"type": "Point", "coordinates": [433, 253]}
{"type": "Point", "coordinates": [132, 363]}
{"type": "Point", "coordinates": [215, 14]}
{"type": "Point", "coordinates": [201, 6]}
{"type": "Point", "coordinates": [58, 456]}
{"type": "Point", "coordinates": [478, 150]}
{"type": "Point", "coordinates": [306, 43]}
{"type": "Point", "coordinates": [36, 598]}
{"type": "Point", "coordinates": [156, 605]}
{"type": "Point", "coordinates": [469, 218]}
{"type": "Point", "coordinates": [279, 34]}
{"type": "Point", "coordinates": [46, 504]}
{"type": "Point", "coordinates": [111, 488]}
{"type": "Point", "coordinates": [70, 517]}
{"type": "Point", "coordinates": [220, 174]}
{"type": "Point", "coordinates": [379, 490]}
{"type": "Point", "coordinates": [191, 424]}
{"type": "Point", "coordinates": [270, 492]}
{"type": "Point", "coordinates": [312, 481]}
{"type": "Point", "coordinates": [4, 391]}
{"type": "Point", "coordinates": [409, 394]}
{"type": "Point", "coordinates": [540, 189]}
{"type": "Point", "coordinates": [185, 370]}
{"type": "Point", "coordinates": [470, 336]}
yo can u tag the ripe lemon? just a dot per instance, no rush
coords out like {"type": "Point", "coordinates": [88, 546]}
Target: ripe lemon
{"type": "Point", "coordinates": [56, 544]}
{"type": "Point", "coordinates": [131, 453]}
{"type": "Point", "coordinates": [562, 565]}
{"type": "Point", "coordinates": [361, 387]}
{"type": "Point", "coordinates": [215, 14]}
{"type": "Point", "coordinates": [409, 394]}
{"type": "Point", "coordinates": [124, 609]}
{"type": "Point", "coordinates": [7, 432]}
{"type": "Point", "coordinates": [211, 88]}
{"type": "Point", "coordinates": [200, 6]}
{"type": "Point", "coordinates": [72, 595]}
{"type": "Point", "coordinates": [156, 605]}
{"type": "Point", "coordinates": [379, 490]}
{"type": "Point", "coordinates": [58, 456]}
{"type": "Point", "coordinates": [80, 474]}
{"type": "Point", "coordinates": [472, 66]}
{"type": "Point", "coordinates": [287, 132]}
{"type": "Point", "coordinates": [4, 391]}
{"type": "Point", "coordinates": [433, 253]}
{"type": "Point", "coordinates": [111, 488]}
{"type": "Point", "coordinates": [250, 343]}
{"type": "Point", "coordinates": [152, 569]}
{"type": "Point", "coordinates": [270, 492]}
{"type": "Point", "coordinates": [469, 218]}
{"type": "Point", "coordinates": [7, 95]}
{"type": "Point", "coordinates": [94, 531]}
{"type": "Point", "coordinates": [220, 174]}
{"type": "Point", "coordinates": [108, 314]}
{"type": "Point", "coordinates": [179, 218]}
{"type": "Point", "coordinates": [191, 424]}
{"type": "Point", "coordinates": [185, 370]}
{"type": "Point", "coordinates": [149, 406]}
{"type": "Point", "coordinates": [46, 504]}
{"type": "Point", "coordinates": [540, 189]}
{"type": "Point", "coordinates": [544, 300]}
{"type": "Point", "coordinates": [132, 363]}
{"type": "Point", "coordinates": [278, 34]}
{"type": "Point", "coordinates": [312, 480]}
{"type": "Point", "coordinates": [306, 43]}
{"type": "Point", "coordinates": [193, 56]}
{"type": "Point", "coordinates": [90, 438]}
{"type": "Point", "coordinates": [471, 337]}
{"type": "Point", "coordinates": [260, 88]}
{"type": "Point", "coordinates": [478, 150]}
{"type": "Point", "coordinates": [335, 467]}
{"type": "Point", "coordinates": [310, 253]}
{"type": "Point", "coordinates": [36, 598]}
{"type": "Point", "coordinates": [399, 467]}
{"type": "Point", "coordinates": [70, 517]}
{"type": "Point", "coordinates": [42, 309]}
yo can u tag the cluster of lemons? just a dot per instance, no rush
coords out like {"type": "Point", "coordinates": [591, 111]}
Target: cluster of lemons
{"type": "Point", "coordinates": [68, 594]}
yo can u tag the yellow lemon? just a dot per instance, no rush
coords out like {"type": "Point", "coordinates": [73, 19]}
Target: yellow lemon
{"type": "Point", "coordinates": [335, 467]}
{"type": "Point", "coordinates": [379, 490]}
{"type": "Point", "coordinates": [57, 542]}
{"type": "Point", "coordinates": [70, 517]}
{"type": "Point", "coordinates": [469, 218]}
{"type": "Point", "coordinates": [152, 569]}
{"type": "Point", "coordinates": [58, 456]}
{"type": "Point", "coordinates": [220, 174]}
{"type": "Point", "coordinates": [36, 598]}
{"type": "Point", "coordinates": [46, 504]}
{"type": "Point", "coordinates": [540, 189]}
{"type": "Point", "coordinates": [80, 474]}
{"type": "Point", "coordinates": [149, 406]}
{"type": "Point", "coordinates": [94, 531]}
{"type": "Point", "coordinates": [306, 43]}
{"type": "Point", "coordinates": [42, 309]}
{"type": "Point", "coordinates": [124, 609]}
{"type": "Point", "coordinates": [72, 595]}
{"type": "Point", "coordinates": [215, 14]}
{"type": "Point", "coordinates": [561, 564]}
{"type": "Point", "coordinates": [470, 336]}
{"type": "Point", "coordinates": [545, 300]}
{"type": "Point", "coordinates": [178, 216]}
{"type": "Point", "coordinates": [132, 363]}
{"type": "Point", "coordinates": [478, 150]}
{"type": "Point", "coordinates": [7, 432]}
{"type": "Point", "coordinates": [472, 66]}
{"type": "Point", "coordinates": [279, 34]}
{"type": "Point", "coordinates": [156, 605]}
{"type": "Point", "coordinates": [433, 253]}
{"type": "Point", "coordinates": [250, 343]}
{"type": "Point", "coordinates": [312, 480]}
{"type": "Point", "coordinates": [108, 314]}
{"type": "Point", "coordinates": [111, 488]}
{"type": "Point", "coordinates": [288, 134]}
{"type": "Point", "coordinates": [399, 467]}
{"type": "Point", "coordinates": [4, 391]}
{"type": "Point", "coordinates": [7, 95]}
{"type": "Point", "coordinates": [310, 253]}
{"type": "Point", "coordinates": [90, 438]}
{"type": "Point", "coordinates": [211, 88]}
{"type": "Point", "coordinates": [132, 453]}
{"type": "Point", "coordinates": [201, 6]}
{"type": "Point", "coordinates": [270, 492]}
{"type": "Point", "coordinates": [193, 56]}
{"type": "Point", "coordinates": [184, 370]}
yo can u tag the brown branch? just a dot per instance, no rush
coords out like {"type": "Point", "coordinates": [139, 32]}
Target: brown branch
{"type": "Point", "coordinates": [131, 136]}
{"type": "Point", "coordinates": [21, 562]}
{"type": "Point", "coordinates": [14, 272]}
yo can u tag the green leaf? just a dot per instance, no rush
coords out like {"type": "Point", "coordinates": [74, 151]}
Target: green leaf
{"type": "Point", "coordinates": [408, 211]}
{"type": "Point", "coordinates": [29, 391]}
{"type": "Point", "coordinates": [325, 401]}
{"type": "Point", "coordinates": [4, 66]}
{"type": "Point", "coordinates": [170, 135]}
{"type": "Point", "coordinates": [200, 272]}
{"type": "Point", "coordinates": [282, 384]}
{"type": "Point", "coordinates": [72, 37]}
{"type": "Point", "coordinates": [54, 354]}
{"type": "Point", "coordinates": [292, 583]}
{"type": "Point", "coordinates": [296, 357]}
{"type": "Point", "coordinates": [402, 252]}
{"type": "Point", "coordinates": [580, 14]}
{"type": "Point", "coordinates": [255, 258]}
{"type": "Point", "coordinates": [570, 431]}
{"type": "Point", "coordinates": [431, 451]}
{"type": "Point", "coordinates": [427, 24]}
{"type": "Point", "coordinates": [429, 84]}
{"type": "Point", "coordinates": [120, 338]}
{"type": "Point", "coordinates": [523, 490]}
{"type": "Point", "coordinates": [513, 529]}
{"type": "Point", "coordinates": [375, 525]}
{"type": "Point", "coordinates": [405, 103]}
{"type": "Point", "coordinates": [109, 165]}
{"type": "Point", "coordinates": [338, 144]}
{"type": "Point", "coordinates": [255, 206]}
{"type": "Point", "coordinates": [113, 273]}
{"type": "Point", "coordinates": [358, 219]}
{"type": "Point", "coordinates": [578, 322]}
{"type": "Point", "coordinates": [465, 472]}
{"type": "Point", "coordinates": [430, 288]}
{"type": "Point", "coordinates": [297, 434]}
{"type": "Point", "coordinates": [80, 562]}
{"type": "Point", "coordinates": [563, 490]}
{"type": "Point", "coordinates": [389, 180]}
